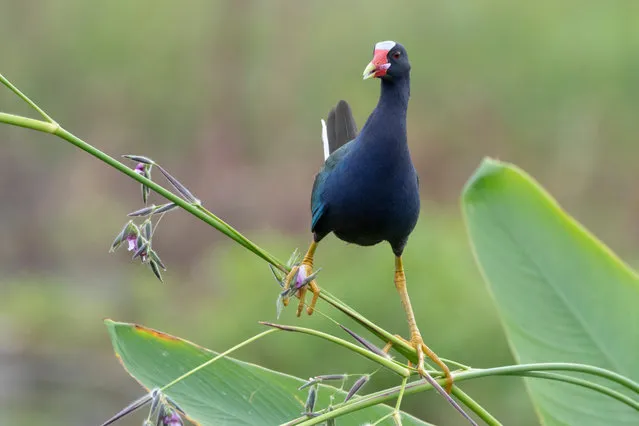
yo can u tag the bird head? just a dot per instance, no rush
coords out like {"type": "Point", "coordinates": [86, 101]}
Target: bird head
{"type": "Point", "coordinates": [389, 60]}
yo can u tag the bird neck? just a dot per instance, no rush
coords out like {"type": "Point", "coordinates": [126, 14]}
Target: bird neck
{"type": "Point", "coordinates": [394, 95]}
{"type": "Point", "coordinates": [387, 122]}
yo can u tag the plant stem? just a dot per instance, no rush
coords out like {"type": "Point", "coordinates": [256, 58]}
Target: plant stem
{"type": "Point", "coordinates": [516, 370]}
{"type": "Point", "coordinates": [555, 366]}
{"type": "Point", "coordinates": [391, 365]}
{"type": "Point", "coordinates": [203, 214]}
{"type": "Point", "coordinates": [24, 97]}
{"type": "Point", "coordinates": [28, 123]}
{"type": "Point", "coordinates": [472, 405]}
{"type": "Point", "coordinates": [196, 211]}
{"type": "Point", "coordinates": [222, 355]}
{"type": "Point", "coordinates": [584, 383]}
{"type": "Point", "coordinates": [406, 350]}
{"type": "Point", "coordinates": [206, 216]}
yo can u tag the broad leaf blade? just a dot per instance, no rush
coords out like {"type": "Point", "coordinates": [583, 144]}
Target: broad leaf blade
{"type": "Point", "coordinates": [562, 294]}
{"type": "Point", "coordinates": [229, 392]}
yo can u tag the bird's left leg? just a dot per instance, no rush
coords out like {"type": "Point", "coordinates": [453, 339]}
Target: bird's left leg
{"type": "Point", "coordinates": [415, 336]}
{"type": "Point", "coordinates": [300, 273]}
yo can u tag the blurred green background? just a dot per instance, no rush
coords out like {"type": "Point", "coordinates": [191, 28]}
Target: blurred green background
{"type": "Point", "coordinates": [228, 96]}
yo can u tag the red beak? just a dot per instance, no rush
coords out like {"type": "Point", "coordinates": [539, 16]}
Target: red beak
{"type": "Point", "coordinates": [378, 66]}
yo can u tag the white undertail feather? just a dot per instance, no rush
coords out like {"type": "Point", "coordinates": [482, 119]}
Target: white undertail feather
{"type": "Point", "coordinates": [325, 140]}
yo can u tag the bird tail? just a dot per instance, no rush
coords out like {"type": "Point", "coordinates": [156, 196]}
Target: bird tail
{"type": "Point", "coordinates": [338, 129]}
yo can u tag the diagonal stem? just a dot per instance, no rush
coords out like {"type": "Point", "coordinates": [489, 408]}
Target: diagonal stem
{"type": "Point", "coordinates": [50, 126]}
{"type": "Point", "coordinates": [24, 97]}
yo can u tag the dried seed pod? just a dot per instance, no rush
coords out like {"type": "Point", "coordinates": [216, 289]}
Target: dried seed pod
{"type": "Point", "coordinates": [156, 259]}
{"type": "Point", "coordinates": [165, 208]}
{"type": "Point", "coordinates": [139, 159]}
{"type": "Point", "coordinates": [145, 211]}
{"type": "Point", "coordinates": [140, 402]}
{"type": "Point", "coordinates": [310, 400]}
{"type": "Point", "coordinates": [311, 381]}
{"type": "Point", "coordinates": [156, 270]}
{"type": "Point", "coordinates": [331, 377]}
{"type": "Point", "coordinates": [356, 387]}
{"type": "Point", "coordinates": [147, 229]}
{"type": "Point", "coordinates": [174, 404]}
{"type": "Point", "coordinates": [368, 345]}
{"type": "Point", "coordinates": [118, 240]}
{"type": "Point", "coordinates": [188, 196]}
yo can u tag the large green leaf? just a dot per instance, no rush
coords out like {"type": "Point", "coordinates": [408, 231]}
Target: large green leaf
{"type": "Point", "coordinates": [562, 294]}
{"type": "Point", "coordinates": [228, 392]}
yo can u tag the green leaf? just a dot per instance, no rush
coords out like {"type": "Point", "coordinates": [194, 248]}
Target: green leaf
{"type": "Point", "coordinates": [561, 293]}
{"type": "Point", "coordinates": [228, 392]}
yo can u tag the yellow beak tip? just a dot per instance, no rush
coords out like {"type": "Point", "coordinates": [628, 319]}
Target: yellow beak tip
{"type": "Point", "coordinates": [369, 71]}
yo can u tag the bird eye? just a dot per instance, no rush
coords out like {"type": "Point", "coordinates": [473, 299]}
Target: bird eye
{"type": "Point", "coordinates": [396, 55]}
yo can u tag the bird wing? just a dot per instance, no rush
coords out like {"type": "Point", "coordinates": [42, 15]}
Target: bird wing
{"type": "Point", "coordinates": [318, 207]}
{"type": "Point", "coordinates": [339, 128]}
{"type": "Point", "coordinates": [337, 133]}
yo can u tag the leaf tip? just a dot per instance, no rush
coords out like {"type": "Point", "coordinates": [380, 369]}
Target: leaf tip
{"type": "Point", "coordinates": [489, 167]}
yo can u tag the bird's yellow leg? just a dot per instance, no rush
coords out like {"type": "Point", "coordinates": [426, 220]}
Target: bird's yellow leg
{"type": "Point", "coordinates": [415, 336]}
{"type": "Point", "coordinates": [307, 264]}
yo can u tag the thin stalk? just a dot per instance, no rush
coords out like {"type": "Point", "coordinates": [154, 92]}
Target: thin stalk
{"type": "Point", "coordinates": [24, 97]}
{"type": "Point", "coordinates": [396, 414]}
{"type": "Point", "coordinates": [222, 355]}
{"type": "Point", "coordinates": [209, 218]}
{"type": "Point", "coordinates": [583, 383]}
{"type": "Point", "coordinates": [390, 364]}
{"type": "Point", "coordinates": [515, 370]}
{"type": "Point", "coordinates": [554, 366]}
{"type": "Point", "coordinates": [28, 123]}
{"type": "Point", "coordinates": [474, 406]}
{"type": "Point", "coordinates": [205, 216]}
{"type": "Point", "coordinates": [408, 351]}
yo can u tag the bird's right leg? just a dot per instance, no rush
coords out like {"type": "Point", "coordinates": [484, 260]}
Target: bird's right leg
{"type": "Point", "coordinates": [299, 273]}
{"type": "Point", "coordinates": [416, 339]}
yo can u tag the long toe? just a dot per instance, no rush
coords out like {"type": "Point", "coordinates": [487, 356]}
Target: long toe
{"type": "Point", "coordinates": [289, 281]}
{"type": "Point", "coordinates": [423, 351]}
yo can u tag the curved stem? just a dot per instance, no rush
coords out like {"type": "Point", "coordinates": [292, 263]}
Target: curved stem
{"type": "Point", "coordinates": [553, 366]}
{"type": "Point", "coordinates": [391, 365]}
{"type": "Point", "coordinates": [515, 370]}
{"type": "Point", "coordinates": [196, 210]}
{"type": "Point", "coordinates": [584, 383]}
{"type": "Point", "coordinates": [203, 214]}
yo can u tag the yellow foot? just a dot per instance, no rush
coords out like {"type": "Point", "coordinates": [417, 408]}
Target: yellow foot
{"type": "Point", "coordinates": [297, 277]}
{"type": "Point", "coordinates": [418, 343]}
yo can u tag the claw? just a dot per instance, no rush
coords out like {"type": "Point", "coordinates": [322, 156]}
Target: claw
{"type": "Point", "coordinates": [423, 350]}
{"type": "Point", "coordinates": [299, 280]}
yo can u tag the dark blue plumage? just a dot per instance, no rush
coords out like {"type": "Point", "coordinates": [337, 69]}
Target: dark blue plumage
{"type": "Point", "coordinates": [367, 191]}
